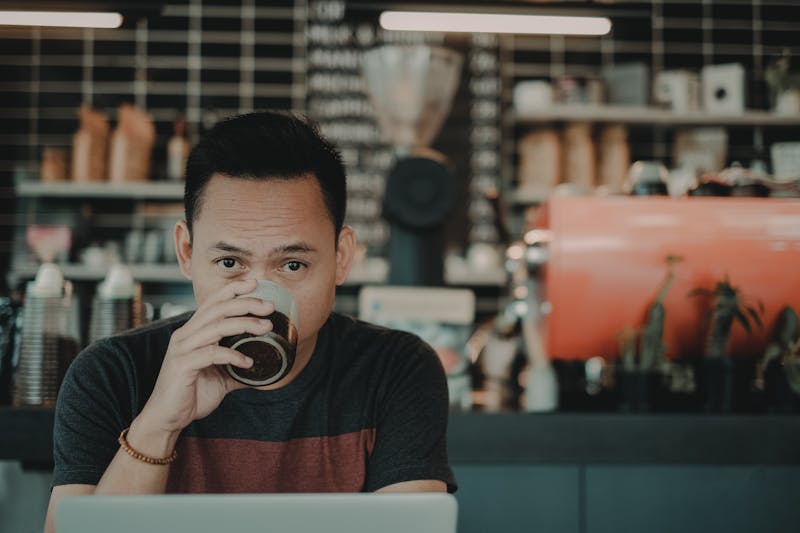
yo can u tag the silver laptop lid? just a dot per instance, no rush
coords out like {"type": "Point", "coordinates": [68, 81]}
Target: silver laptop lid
{"type": "Point", "coordinates": [257, 513]}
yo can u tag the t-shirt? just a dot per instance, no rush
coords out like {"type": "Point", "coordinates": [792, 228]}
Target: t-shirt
{"type": "Point", "coordinates": [368, 410]}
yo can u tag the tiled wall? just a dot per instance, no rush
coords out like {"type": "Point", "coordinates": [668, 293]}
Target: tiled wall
{"type": "Point", "coordinates": [202, 60]}
{"type": "Point", "coordinates": [206, 59]}
{"type": "Point", "coordinates": [674, 34]}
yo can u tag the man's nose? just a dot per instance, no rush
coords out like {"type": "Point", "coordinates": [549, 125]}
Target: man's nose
{"type": "Point", "coordinates": [261, 273]}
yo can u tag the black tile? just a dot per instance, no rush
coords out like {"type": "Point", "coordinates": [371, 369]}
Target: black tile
{"type": "Point", "coordinates": [16, 73]}
{"type": "Point", "coordinates": [167, 101]}
{"type": "Point", "coordinates": [60, 100]}
{"type": "Point", "coordinates": [168, 23]}
{"type": "Point", "coordinates": [113, 74]}
{"type": "Point", "coordinates": [13, 152]}
{"type": "Point", "coordinates": [209, 49]}
{"type": "Point", "coordinates": [281, 77]}
{"type": "Point", "coordinates": [774, 135]}
{"type": "Point", "coordinates": [682, 10]}
{"type": "Point", "coordinates": [108, 102]}
{"type": "Point", "coordinates": [273, 50]}
{"type": "Point", "coordinates": [780, 13]}
{"type": "Point", "coordinates": [15, 126]}
{"type": "Point", "coordinates": [115, 48]}
{"type": "Point", "coordinates": [57, 126]}
{"type": "Point", "coordinates": [682, 35]}
{"type": "Point", "coordinates": [261, 102]}
{"type": "Point", "coordinates": [219, 76]}
{"type": "Point", "coordinates": [15, 47]}
{"type": "Point", "coordinates": [731, 11]}
{"type": "Point", "coordinates": [740, 136]}
{"type": "Point", "coordinates": [167, 74]}
{"type": "Point", "coordinates": [230, 24]}
{"type": "Point", "coordinates": [208, 101]}
{"type": "Point", "coordinates": [627, 29]}
{"type": "Point", "coordinates": [632, 57]}
{"type": "Point", "coordinates": [672, 60]}
{"type": "Point", "coordinates": [532, 57]}
{"type": "Point", "coordinates": [61, 47]}
{"type": "Point", "coordinates": [155, 48]}
{"type": "Point", "coordinates": [745, 37]}
{"type": "Point", "coordinates": [57, 73]}
{"type": "Point", "coordinates": [267, 25]}
{"type": "Point", "coordinates": [781, 38]}
{"type": "Point", "coordinates": [583, 58]}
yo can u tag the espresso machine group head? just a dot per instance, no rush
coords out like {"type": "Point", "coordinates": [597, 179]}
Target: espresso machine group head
{"type": "Point", "coordinates": [411, 89]}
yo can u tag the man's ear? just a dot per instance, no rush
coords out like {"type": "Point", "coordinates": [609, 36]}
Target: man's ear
{"type": "Point", "coordinates": [183, 248]}
{"type": "Point", "coordinates": [346, 249]}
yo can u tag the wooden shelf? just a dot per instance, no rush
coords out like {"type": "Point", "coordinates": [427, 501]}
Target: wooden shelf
{"type": "Point", "coordinates": [79, 272]}
{"type": "Point", "coordinates": [648, 115]}
{"type": "Point", "coordinates": [133, 191]}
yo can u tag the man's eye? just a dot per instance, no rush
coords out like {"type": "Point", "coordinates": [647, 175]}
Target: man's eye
{"type": "Point", "coordinates": [227, 262]}
{"type": "Point", "coordinates": [294, 266]}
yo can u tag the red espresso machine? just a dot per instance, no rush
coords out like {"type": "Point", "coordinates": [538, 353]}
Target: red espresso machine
{"type": "Point", "coordinates": [606, 260]}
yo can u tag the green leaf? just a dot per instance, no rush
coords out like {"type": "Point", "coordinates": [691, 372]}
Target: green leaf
{"type": "Point", "coordinates": [756, 316]}
{"type": "Point", "coordinates": [742, 319]}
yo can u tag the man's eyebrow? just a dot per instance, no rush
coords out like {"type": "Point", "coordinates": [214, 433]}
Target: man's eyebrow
{"type": "Point", "coordinates": [226, 247]}
{"type": "Point", "coordinates": [294, 248]}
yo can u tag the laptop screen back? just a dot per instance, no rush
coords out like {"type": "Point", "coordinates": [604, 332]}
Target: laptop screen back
{"type": "Point", "coordinates": [257, 513]}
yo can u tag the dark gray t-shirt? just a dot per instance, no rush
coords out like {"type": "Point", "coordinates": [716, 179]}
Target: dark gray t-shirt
{"type": "Point", "coordinates": [369, 410]}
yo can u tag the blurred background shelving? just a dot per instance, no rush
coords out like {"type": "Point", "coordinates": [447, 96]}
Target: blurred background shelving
{"type": "Point", "coordinates": [203, 60]}
{"type": "Point", "coordinates": [651, 116]}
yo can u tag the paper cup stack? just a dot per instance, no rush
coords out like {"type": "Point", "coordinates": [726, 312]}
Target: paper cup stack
{"type": "Point", "coordinates": [49, 340]}
{"type": "Point", "coordinates": [117, 305]}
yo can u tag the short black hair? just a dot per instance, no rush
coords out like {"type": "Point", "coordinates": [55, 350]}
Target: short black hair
{"type": "Point", "coordinates": [266, 145]}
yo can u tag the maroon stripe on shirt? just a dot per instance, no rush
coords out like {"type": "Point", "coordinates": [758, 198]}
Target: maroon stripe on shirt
{"type": "Point", "coordinates": [312, 464]}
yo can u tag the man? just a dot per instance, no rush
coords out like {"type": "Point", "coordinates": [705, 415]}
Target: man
{"type": "Point", "coordinates": [363, 408]}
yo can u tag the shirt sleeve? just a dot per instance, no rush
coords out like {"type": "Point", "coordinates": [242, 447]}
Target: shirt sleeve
{"type": "Point", "coordinates": [411, 426]}
{"type": "Point", "coordinates": [94, 405]}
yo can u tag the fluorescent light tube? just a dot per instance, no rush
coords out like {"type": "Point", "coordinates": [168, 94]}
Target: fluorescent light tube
{"type": "Point", "coordinates": [493, 23]}
{"type": "Point", "coordinates": [64, 19]}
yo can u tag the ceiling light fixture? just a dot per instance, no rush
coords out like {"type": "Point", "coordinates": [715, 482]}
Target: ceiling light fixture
{"type": "Point", "coordinates": [64, 19]}
{"type": "Point", "coordinates": [494, 23]}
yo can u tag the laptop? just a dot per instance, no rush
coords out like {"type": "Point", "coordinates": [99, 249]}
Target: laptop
{"type": "Point", "coordinates": [259, 513]}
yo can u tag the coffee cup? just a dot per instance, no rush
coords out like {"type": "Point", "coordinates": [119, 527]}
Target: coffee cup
{"type": "Point", "coordinates": [274, 352]}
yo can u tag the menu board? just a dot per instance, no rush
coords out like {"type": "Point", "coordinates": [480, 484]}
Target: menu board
{"type": "Point", "coordinates": [483, 72]}
{"type": "Point", "coordinates": [336, 37]}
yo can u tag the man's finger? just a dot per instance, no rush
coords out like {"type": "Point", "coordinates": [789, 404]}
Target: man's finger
{"type": "Point", "coordinates": [207, 316]}
{"type": "Point", "coordinates": [229, 327]}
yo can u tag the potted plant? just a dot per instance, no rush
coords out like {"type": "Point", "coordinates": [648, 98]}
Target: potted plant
{"type": "Point", "coordinates": [778, 371]}
{"type": "Point", "coordinates": [784, 86]}
{"type": "Point", "coordinates": [640, 377]}
{"type": "Point", "coordinates": [728, 307]}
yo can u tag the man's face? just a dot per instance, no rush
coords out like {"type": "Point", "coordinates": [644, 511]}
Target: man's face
{"type": "Point", "coordinates": [275, 229]}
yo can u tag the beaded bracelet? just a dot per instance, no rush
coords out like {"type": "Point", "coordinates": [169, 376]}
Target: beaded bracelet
{"type": "Point", "coordinates": [123, 443]}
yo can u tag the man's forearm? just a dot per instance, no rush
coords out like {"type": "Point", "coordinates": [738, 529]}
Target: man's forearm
{"type": "Point", "coordinates": [125, 474]}
{"type": "Point", "coordinates": [128, 475]}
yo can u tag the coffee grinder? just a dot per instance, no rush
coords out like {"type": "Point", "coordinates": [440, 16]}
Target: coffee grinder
{"type": "Point", "coordinates": [411, 89]}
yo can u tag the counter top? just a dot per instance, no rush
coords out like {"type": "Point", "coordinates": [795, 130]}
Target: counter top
{"type": "Point", "coordinates": [563, 438]}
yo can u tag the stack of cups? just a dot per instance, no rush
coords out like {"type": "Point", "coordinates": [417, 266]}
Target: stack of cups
{"type": "Point", "coordinates": [117, 304]}
{"type": "Point", "coordinates": [49, 338]}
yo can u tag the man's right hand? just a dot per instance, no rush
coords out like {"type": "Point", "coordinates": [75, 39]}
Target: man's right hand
{"type": "Point", "coordinates": [192, 381]}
